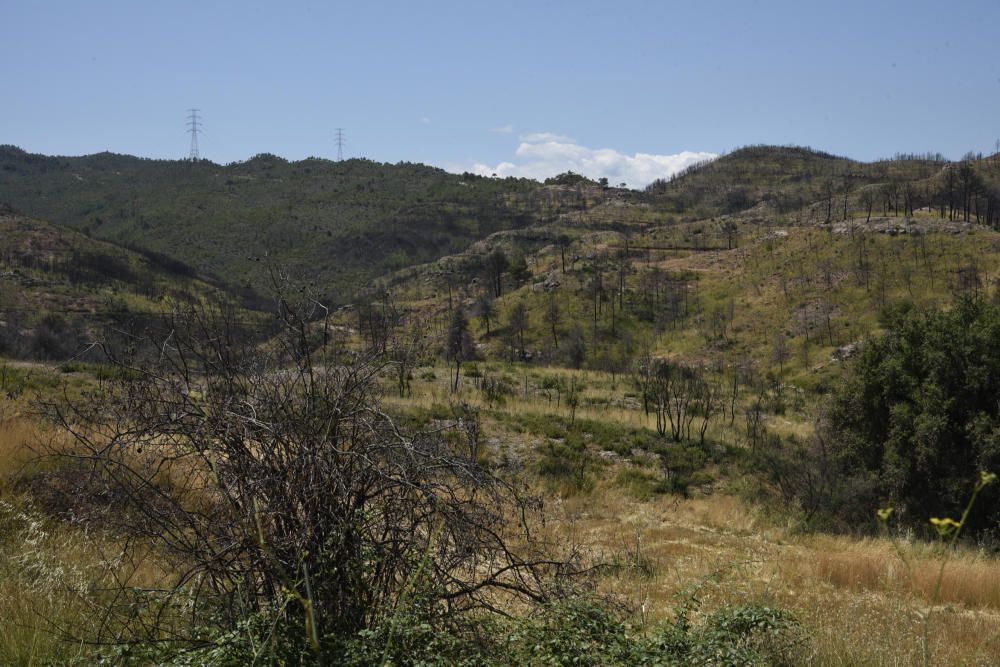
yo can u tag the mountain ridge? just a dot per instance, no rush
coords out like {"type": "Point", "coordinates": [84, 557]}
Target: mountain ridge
{"type": "Point", "coordinates": [341, 225]}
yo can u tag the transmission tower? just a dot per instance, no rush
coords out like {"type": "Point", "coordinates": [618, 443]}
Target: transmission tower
{"type": "Point", "coordinates": [194, 127]}
{"type": "Point", "coordinates": [340, 143]}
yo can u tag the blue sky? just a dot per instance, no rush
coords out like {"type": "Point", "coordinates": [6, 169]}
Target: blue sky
{"type": "Point", "coordinates": [515, 87]}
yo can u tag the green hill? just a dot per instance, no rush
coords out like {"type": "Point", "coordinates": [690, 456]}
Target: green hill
{"type": "Point", "coordinates": [343, 224]}
{"type": "Point", "coordinates": [60, 291]}
{"type": "Point", "coordinates": [338, 223]}
{"type": "Point", "coordinates": [787, 178]}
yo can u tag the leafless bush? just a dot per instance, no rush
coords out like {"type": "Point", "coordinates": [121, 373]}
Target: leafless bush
{"type": "Point", "coordinates": [269, 477]}
{"type": "Point", "coordinates": [679, 394]}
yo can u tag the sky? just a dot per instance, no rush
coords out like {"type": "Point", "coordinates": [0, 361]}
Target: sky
{"type": "Point", "coordinates": [628, 90]}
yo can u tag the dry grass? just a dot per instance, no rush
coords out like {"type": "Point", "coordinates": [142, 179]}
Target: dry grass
{"type": "Point", "coordinates": [37, 568]}
{"type": "Point", "coordinates": [54, 577]}
{"type": "Point", "coordinates": [856, 598]}
{"type": "Point", "coordinates": [53, 574]}
{"type": "Point", "coordinates": [426, 398]}
{"type": "Point", "coordinates": [853, 596]}
{"type": "Point", "coordinates": [970, 578]}
{"type": "Point", "coordinates": [40, 575]}
{"type": "Point", "coordinates": [16, 436]}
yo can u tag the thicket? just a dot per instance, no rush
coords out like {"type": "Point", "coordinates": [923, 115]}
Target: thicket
{"type": "Point", "coordinates": [51, 338]}
{"type": "Point", "coordinates": [918, 417]}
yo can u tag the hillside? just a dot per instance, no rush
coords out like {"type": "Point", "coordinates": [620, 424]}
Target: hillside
{"type": "Point", "coordinates": [336, 223]}
{"type": "Point", "coordinates": [771, 321]}
{"type": "Point", "coordinates": [791, 178]}
{"type": "Point", "coordinates": [659, 384]}
{"type": "Point", "coordinates": [341, 224]}
{"type": "Point", "coordinates": [60, 291]}
{"type": "Point", "coordinates": [682, 293]}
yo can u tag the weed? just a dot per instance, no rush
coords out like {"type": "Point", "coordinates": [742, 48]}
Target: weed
{"type": "Point", "coordinates": [948, 531]}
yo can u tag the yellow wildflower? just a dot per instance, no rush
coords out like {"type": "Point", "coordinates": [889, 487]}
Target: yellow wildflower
{"type": "Point", "coordinates": [945, 526]}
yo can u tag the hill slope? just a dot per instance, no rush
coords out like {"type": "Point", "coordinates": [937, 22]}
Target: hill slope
{"type": "Point", "coordinates": [342, 224]}
{"type": "Point", "coordinates": [788, 178]}
{"type": "Point", "coordinates": [339, 223]}
{"type": "Point", "coordinates": [60, 290]}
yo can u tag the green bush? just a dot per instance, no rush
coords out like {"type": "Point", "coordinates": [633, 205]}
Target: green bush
{"type": "Point", "coordinates": [683, 467]}
{"type": "Point", "coordinates": [566, 464]}
{"type": "Point", "coordinates": [640, 484]}
{"type": "Point", "coordinates": [575, 631]}
{"type": "Point", "coordinates": [918, 416]}
{"type": "Point", "coordinates": [549, 426]}
{"type": "Point", "coordinates": [618, 438]}
{"type": "Point", "coordinates": [99, 371]}
{"type": "Point", "coordinates": [495, 389]}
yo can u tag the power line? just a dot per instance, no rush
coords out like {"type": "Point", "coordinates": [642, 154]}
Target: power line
{"type": "Point", "coordinates": [194, 127]}
{"type": "Point", "coordinates": [340, 143]}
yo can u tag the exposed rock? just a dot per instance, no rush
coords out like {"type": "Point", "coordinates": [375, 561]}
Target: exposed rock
{"type": "Point", "coordinates": [845, 352]}
{"type": "Point", "coordinates": [897, 226]}
{"type": "Point", "coordinates": [550, 283]}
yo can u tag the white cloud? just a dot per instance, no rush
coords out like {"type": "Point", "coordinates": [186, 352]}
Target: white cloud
{"type": "Point", "coordinates": [424, 120]}
{"type": "Point", "coordinates": [539, 137]}
{"type": "Point", "coordinates": [503, 129]}
{"type": "Point", "coordinates": [541, 155]}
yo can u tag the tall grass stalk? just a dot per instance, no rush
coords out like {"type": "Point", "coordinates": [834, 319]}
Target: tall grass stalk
{"type": "Point", "coordinates": [948, 531]}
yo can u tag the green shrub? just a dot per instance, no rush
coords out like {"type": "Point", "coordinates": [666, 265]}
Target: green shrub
{"type": "Point", "coordinates": [565, 465]}
{"type": "Point", "coordinates": [576, 631]}
{"type": "Point", "coordinates": [547, 425]}
{"type": "Point", "coordinates": [919, 417]}
{"type": "Point", "coordinates": [495, 389]}
{"type": "Point", "coordinates": [750, 635]}
{"type": "Point", "coordinates": [614, 437]}
{"type": "Point", "coordinates": [683, 467]}
{"type": "Point", "coordinates": [99, 371]}
{"type": "Point", "coordinates": [583, 631]}
{"type": "Point", "coordinates": [15, 380]}
{"type": "Point", "coordinates": [639, 483]}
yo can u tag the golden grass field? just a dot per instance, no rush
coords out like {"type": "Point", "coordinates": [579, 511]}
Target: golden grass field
{"type": "Point", "coordinates": [853, 596]}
